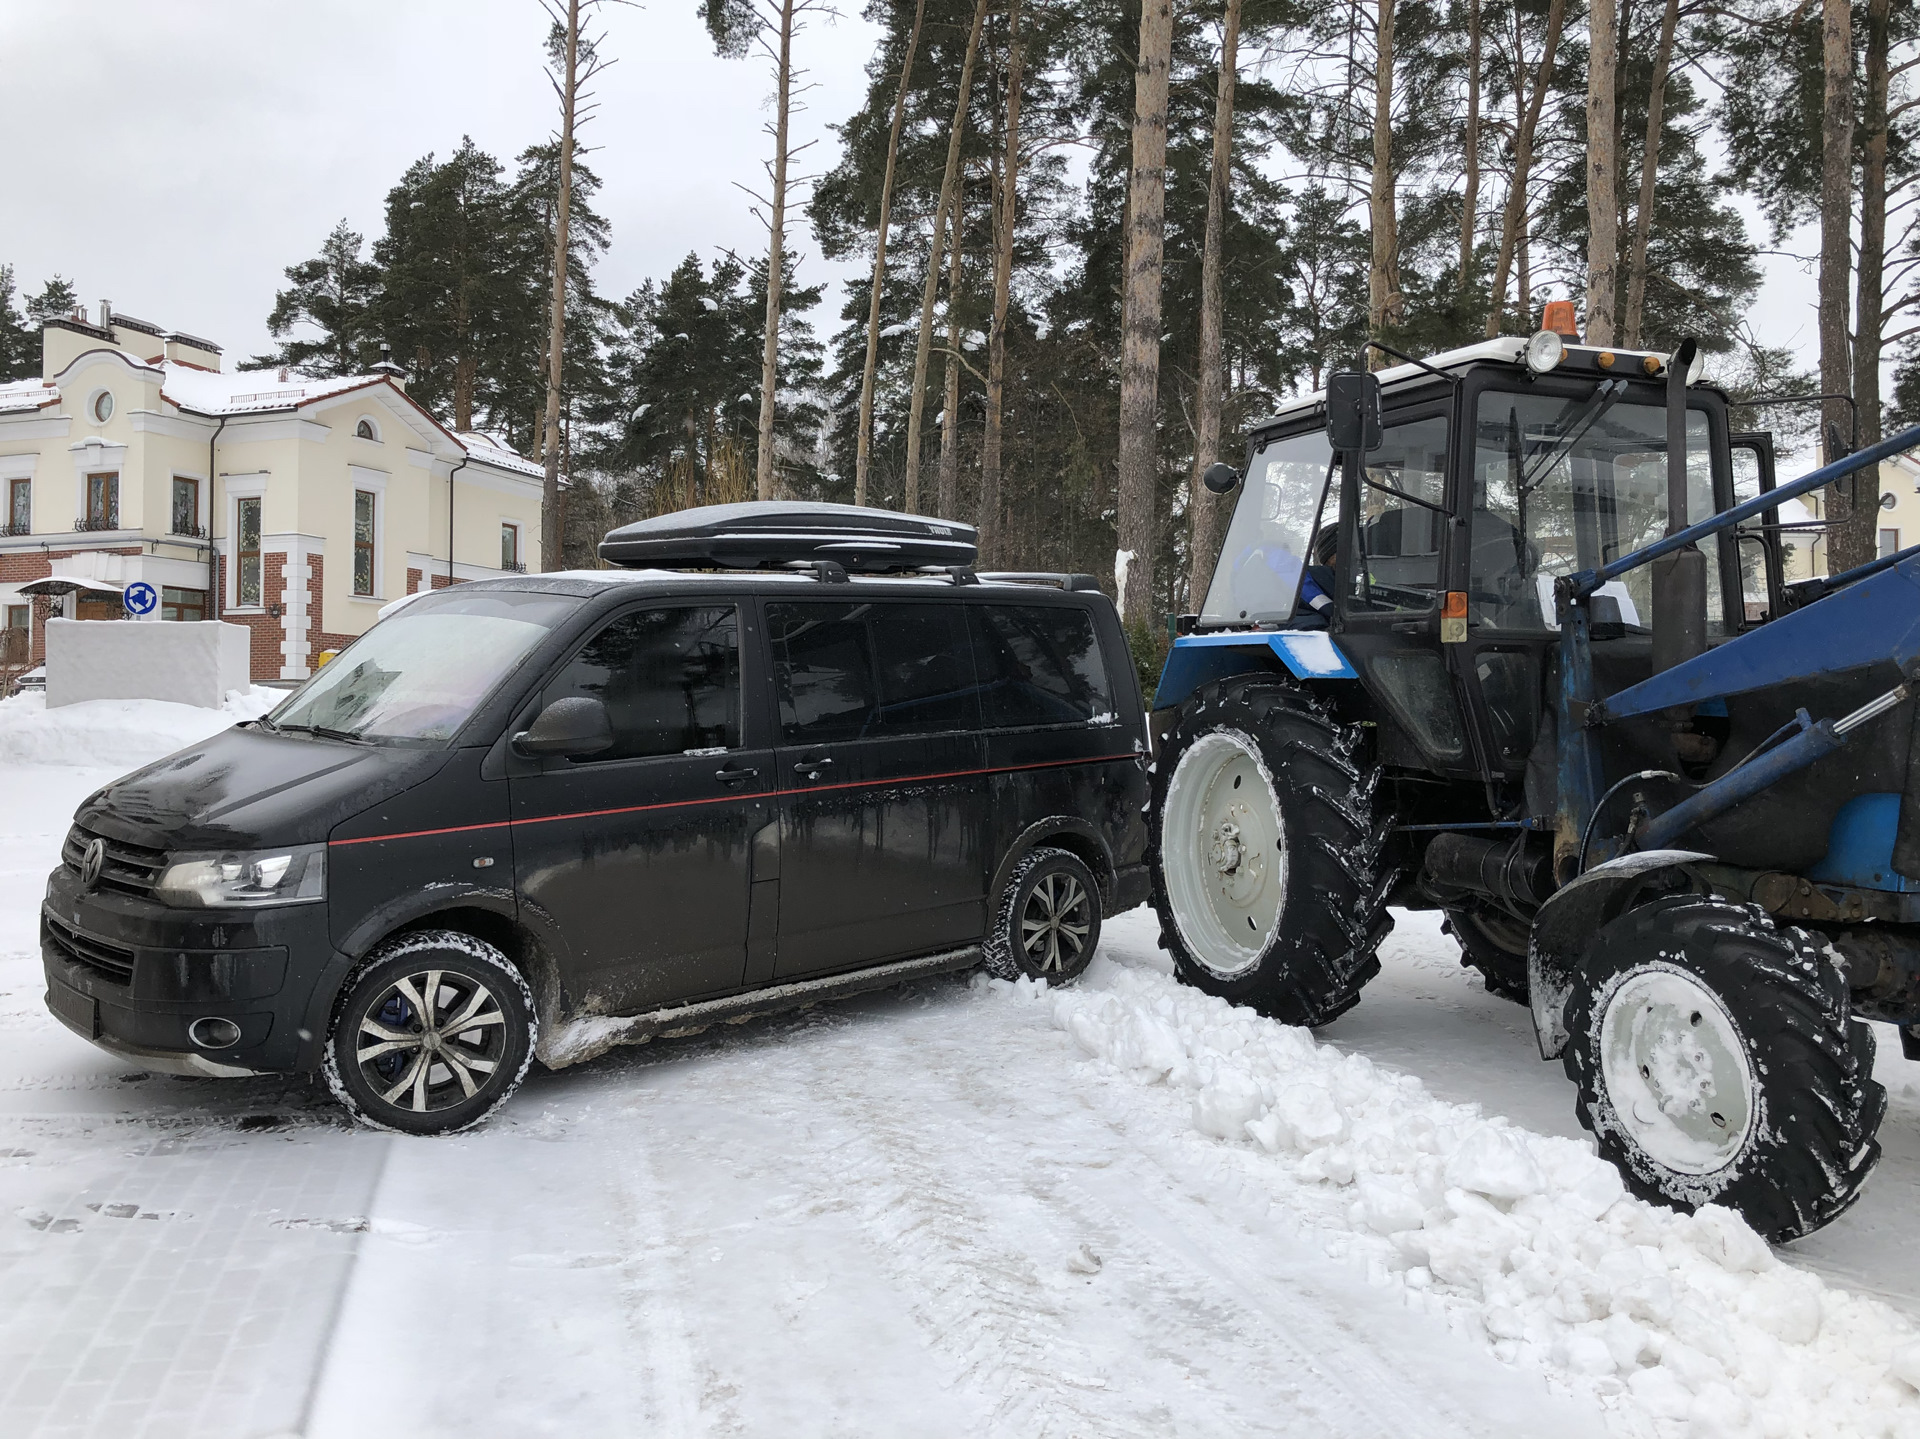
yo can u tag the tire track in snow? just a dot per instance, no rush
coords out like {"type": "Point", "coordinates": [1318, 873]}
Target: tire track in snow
{"type": "Point", "coordinates": [977, 1222]}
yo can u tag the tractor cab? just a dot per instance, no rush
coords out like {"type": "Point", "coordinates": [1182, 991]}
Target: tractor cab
{"type": "Point", "coordinates": [1507, 634]}
{"type": "Point", "coordinates": [1498, 469]}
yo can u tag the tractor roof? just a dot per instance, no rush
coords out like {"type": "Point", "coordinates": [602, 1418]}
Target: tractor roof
{"type": "Point", "coordinates": [1507, 349]}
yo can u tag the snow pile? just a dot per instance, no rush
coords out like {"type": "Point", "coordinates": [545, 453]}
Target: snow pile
{"type": "Point", "coordinates": [1529, 1244]}
{"type": "Point", "coordinates": [117, 734]}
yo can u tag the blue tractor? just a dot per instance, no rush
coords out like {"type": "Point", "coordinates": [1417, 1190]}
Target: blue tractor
{"type": "Point", "coordinates": [1513, 633]}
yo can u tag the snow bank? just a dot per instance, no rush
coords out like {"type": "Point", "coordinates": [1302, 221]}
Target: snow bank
{"type": "Point", "coordinates": [1682, 1324]}
{"type": "Point", "coordinates": [118, 734]}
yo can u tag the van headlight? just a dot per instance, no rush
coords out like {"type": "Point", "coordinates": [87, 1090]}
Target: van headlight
{"type": "Point", "coordinates": [296, 874]}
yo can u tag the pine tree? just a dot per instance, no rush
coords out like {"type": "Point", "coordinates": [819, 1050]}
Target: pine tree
{"type": "Point", "coordinates": [19, 347]}
{"type": "Point", "coordinates": [57, 300]}
{"type": "Point", "coordinates": [334, 294]}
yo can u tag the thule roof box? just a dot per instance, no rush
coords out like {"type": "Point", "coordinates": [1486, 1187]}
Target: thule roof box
{"type": "Point", "coordinates": [775, 534]}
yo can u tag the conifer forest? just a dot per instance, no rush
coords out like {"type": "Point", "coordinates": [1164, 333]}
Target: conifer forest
{"type": "Point", "coordinates": [1094, 240]}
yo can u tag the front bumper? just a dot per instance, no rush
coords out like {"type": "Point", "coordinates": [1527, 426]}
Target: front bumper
{"type": "Point", "coordinates": [132, 975]}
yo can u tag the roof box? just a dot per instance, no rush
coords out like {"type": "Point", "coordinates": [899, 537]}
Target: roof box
{"type": "Point", "coordinates": [769, 534]}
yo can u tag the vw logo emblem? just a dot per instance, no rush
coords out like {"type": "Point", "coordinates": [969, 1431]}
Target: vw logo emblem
{"type": "Point", "coordinates": [92, 861]}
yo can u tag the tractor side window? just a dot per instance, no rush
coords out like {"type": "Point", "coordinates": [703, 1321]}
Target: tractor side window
{"type": "Point", "coordinates": [1397, 557]}
{"type": "Point", "coordinates": [1570, 483]}
{"type": "Point", "coordinates": [1751, 536]}
{"type": "Point", "coordinates": [1269, 542]}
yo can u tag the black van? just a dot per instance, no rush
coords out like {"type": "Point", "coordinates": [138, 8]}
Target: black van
{"type": "Point", "coordinates": [540, 816]}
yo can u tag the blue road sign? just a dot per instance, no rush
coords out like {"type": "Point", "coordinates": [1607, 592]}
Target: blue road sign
{"type": "Point", "coordinates": [140, 598]}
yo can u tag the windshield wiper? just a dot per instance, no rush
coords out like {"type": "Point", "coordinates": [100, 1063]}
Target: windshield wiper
{"type": "Point", "coordinates": [324, 733]}
{"type": "Point", "coordinates": [1602, 401]}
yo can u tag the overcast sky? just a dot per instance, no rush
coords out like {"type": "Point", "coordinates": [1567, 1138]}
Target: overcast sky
{"type": "Point", "coordinates": [177, 157]}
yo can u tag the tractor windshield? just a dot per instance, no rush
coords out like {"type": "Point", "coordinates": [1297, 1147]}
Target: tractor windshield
{"type": "Point", "coordinates": [1569, 484]}
{"type": "Point", "coordinates": [1270, 540]}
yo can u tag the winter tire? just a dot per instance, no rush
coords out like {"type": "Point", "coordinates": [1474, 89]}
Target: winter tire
{"type": "Point", "coordinates": [1048, 919]}
{"type": "Point", "coordinates": [1266, 852]}
{"type": "Point", "coordinates": [1718, 1062]}
{"type": "Point", "coordinates": [431, 1034]}
{"type": "Point", "coordinates": [1496, 945]}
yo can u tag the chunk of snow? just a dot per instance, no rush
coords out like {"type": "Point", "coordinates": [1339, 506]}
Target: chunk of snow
{"type": "Point", "coordinates": [119, 734]}
{"type": "Point", "coordinates": [1688, 1321]}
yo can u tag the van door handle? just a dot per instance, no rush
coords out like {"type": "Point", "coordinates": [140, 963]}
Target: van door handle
{"type": "Point", "coordinates": [812, 766]}
{"type": "Point", "coordinates": [731, 775]}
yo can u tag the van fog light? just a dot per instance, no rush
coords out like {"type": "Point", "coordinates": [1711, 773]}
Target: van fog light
{"type": "Point", "coordinates": [213, 1032]}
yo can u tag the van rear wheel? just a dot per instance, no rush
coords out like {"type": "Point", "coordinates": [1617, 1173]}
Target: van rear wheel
{"type": "Point", "coordinates": [1048, 920]}
{"type": "Point", "coordinates": [431, 1035]}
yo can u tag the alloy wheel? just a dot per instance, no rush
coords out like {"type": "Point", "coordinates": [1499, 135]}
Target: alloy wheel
{"type": "Point", "coordinates": [431, 1040]}
{"type": "Point", "coordinates": [1055, 922]}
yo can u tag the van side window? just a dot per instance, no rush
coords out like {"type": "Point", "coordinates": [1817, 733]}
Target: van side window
{"type": "Point", "coordinates": [670, 679]}
{"type": "Point", "coordinates": [868, 670]}
{"type": "Point", "coordinates": [1038, 665]}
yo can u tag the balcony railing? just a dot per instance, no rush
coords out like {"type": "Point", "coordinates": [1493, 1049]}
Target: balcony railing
{"type": "Point", "coordinates": [22, 528]}
{"type": "Point", "coordinates": [515, 567]}
{"type": "Point", "coordinates": [188, 532]}
{"type": "Point", "coordinates": [110, 522]}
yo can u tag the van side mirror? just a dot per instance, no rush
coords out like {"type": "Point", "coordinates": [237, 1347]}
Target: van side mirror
{"type": "Point", "coordinates": [1220, 477]}
{"type": "Point", "coordinates": [1353, 411]}
{"type": "Point", "coordinates": [576, 725]}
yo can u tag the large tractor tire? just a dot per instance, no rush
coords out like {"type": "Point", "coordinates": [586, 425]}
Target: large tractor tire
{"type": "Point", "coordinates": [1718, 1062]}
{"type": "Point", "coordinates": [1266, 852]}
{"type": "Point", "coordinates": [1493, 943]}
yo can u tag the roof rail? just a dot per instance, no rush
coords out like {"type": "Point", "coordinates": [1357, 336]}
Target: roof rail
{"type": "Point", "coordinates": [1041, 577]}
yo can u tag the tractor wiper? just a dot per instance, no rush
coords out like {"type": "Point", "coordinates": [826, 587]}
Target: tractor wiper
{"type": "Point", "coordinates": [1603, 400]}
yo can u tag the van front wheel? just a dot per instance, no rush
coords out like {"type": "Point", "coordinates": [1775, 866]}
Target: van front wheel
{"type": "Point", "coordinates": [431, 1034]}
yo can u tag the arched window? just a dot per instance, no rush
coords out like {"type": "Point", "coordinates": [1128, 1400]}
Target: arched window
{"type": "Point", "coordinates": [366, 430]}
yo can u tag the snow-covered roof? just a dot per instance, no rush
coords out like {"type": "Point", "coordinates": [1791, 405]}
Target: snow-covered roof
{"type": "Point", "coordinates": [488, 449]}
{"type": "Point", "coordinates": [27, 395]}
{"type": "Point", "coordinates": [242, 392]}
{"type": "Point", "coordinates": [1510, 348]}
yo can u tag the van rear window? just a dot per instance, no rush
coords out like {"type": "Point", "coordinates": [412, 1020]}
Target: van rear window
{"type": "Point", "coordinates": [1039, 665]}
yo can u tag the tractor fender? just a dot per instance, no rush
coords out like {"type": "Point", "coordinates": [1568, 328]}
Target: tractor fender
{"type": "Point", "coordinates": [1568, 921]}
{"type": "Point", "coordinates": [1196, 660]}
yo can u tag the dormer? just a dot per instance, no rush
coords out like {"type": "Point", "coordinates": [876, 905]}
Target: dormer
{"type": "Point", "coordinates": [186, 350]}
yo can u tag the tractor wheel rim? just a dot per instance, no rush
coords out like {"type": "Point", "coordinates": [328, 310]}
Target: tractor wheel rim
{"type": "Point", "coordinates": [1676, 1071]}
{"type": "Point", "coordinates": [431, 1040]}
{"type": "Point", "coordinates": [1224, 853]}
{"type": "Point", "coordinates": [1055, 923]}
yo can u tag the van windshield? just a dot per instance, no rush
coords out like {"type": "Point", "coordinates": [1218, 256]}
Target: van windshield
{"type": "Point", "coordinates": [418, 676]}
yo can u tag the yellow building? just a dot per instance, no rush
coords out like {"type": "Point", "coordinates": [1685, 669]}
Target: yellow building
{"type": "Point", "coordinates": [295, 507]}
{"type": "Point", "coordinates": [1899, 526]}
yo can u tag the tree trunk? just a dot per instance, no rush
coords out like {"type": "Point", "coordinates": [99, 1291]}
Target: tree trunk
{"type": "Point", "coordinates": [1384, 305]}
{"type": "Point", "coordinates": [776, 257]}
{"type": "Point", "coordinates": [863, 443]}
{"type": "Point", "coordinates": [1603, 210]}
{"type": "Point", "coordinates": [1005, 214]}
{"type": "Point", "coordinates": [552, 535]}
{"type": "Point", "coordinates": [1140, 308]}
{"type": "Point", "coordinates": [1470, 199]}
{"type": "Point", "coordinates": [1516, 207]}
{"type": "Point", "coordinates": [1203, 504]}
{"type": "Point", "coordinates": [1870, 304]}
{"type": "Point", "coordinates": [917, 401]}
{"type": "Point", "coordinates": [1836, 196]}
{"type": "Point", "coordinates": [947, 498]}
{"type": "Point", "coordinates": [1649, 173]}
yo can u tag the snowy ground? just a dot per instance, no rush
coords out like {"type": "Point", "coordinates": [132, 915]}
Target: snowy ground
{"type": "Point", "coordinates": [956, 1209]}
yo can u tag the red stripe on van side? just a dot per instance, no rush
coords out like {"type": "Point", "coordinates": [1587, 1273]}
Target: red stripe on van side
{"type": "Point", "coordinates": [726, 798]}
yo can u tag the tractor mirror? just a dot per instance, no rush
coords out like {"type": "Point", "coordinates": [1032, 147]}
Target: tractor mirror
{"type": "Point", "coordinates": [1353, 411]}
{"type": "Point", "coordinates": [1220, 477]}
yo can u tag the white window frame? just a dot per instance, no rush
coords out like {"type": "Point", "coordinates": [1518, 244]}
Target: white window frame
{"type": "Point", "coordinates": [236, 488]}
{"type": "Point", "coordinates": [375, 483]}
